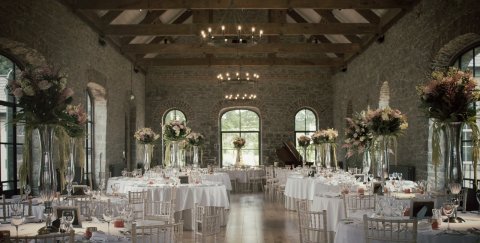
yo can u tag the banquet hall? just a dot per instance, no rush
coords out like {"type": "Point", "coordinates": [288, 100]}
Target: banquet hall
{"type": "Point", "coordinates": [239, 121]}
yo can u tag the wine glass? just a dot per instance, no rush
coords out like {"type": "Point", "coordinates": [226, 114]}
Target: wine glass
{"type": "Point", "coordinates": [15, 207]}
{"type": "Point", "coordinates": [17, 220]}
{"type": "Point", "coordinates": [68, 217]}
{"type": "Point", "coordinates": [108, 216]}
{"type": "Point", "coordinates": [447, 209]}
{"type": "Point", "coordinates": [26, 190]}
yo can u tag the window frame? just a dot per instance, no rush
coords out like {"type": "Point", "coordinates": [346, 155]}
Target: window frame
{"type": "Point", "coordinates": [14, 143]}
{"type": "Point", "coordinates": [89, 171]}
{"type": "Point", "coordinates": [305, 132]}
{"type": "Point", "coordinates": [258, 132]}
{"type": "Point", "coordinates": [468, 182]}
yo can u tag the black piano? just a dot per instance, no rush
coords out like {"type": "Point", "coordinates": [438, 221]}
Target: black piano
{"type": "Point", "coordinates": [289, 155]}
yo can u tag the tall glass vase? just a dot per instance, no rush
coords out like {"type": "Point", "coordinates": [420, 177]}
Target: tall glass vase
{"type": "Point", "coordinates": [238, 157]}
{"type": "Point", "coordinates": [48, 181]}
{"type": "Point", "coordinates": [195, 156]}
{"type": "Point", "coordinates": [174, 155]}
{"type": "Point", "coordinates": [147, 156]}
{"type": "Point", "coordinates": [384, 162]}
{"type": "Point", "coordinates": [70, 172]}
{"type": "Point", "coordinates": [367, 160]}
{"type": "Point", "coordinates": [327, 155]}
{"type": "Point", "coordinates": [318, 156]}
{"type": "Point", "coordinates": [304, 156]}
{"type": "Point", "coordinates": [453, 165]}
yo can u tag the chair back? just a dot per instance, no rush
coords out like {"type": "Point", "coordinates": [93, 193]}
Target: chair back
{"type": "Point", "coordinates": [85, 205]}
{"type": "Point", "coordinates": [164, 233]}
{"type": "Point", "coordinates": [390, 230]}
{"type": "Point", "coordinates": [359, 202]}
{"type": "Point", "coordinates": [136, 200]}
{"type": "Point", "coordinates": [313, 225]}
{"type": "Point", "coordinates": [159, 210]}
{"type": "Point", "coordinates": [207, 220]}
{"type": "Point", "coordinates": [269, 172]}
{"type": "Point", "coordinates": [68, 237]}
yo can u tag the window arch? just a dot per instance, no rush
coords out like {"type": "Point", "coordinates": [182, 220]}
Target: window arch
{"type": "Point", "coordinates": [89, 138]}
{"type": "Point", "coordinates": [11, 135]}
{"type": "Point", "coordinates": [174, 114]}
{"type": "Point", "coordinates": [469, 59]}
{"type": "Point", "coordinates": [244, 123]}
{"type": "Point", "coordinates": [306, 124]}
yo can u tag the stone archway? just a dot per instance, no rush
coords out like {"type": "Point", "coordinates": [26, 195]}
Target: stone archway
{"type": "Point", "coordinates": [21, 53]}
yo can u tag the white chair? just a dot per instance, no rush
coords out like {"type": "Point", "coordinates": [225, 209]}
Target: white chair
{"type": "Point", "coordinates": [390, 230]}
{"type": "Point", "coordinates": [159, 210]}
{"type": "Point", "coordinates": [85, 205]}
{"type": "Point", "coordinates": [356, 202]}
{"type": "Point", "coordinates": [312, 225]}
{"type": "Point", "coordinates": [158, 233]}
{"type": "Point", "coordinates": [207, 222]}
{"type": "Point", "coordinates": [47, 238]}
{"type": "Point", "coordinates": [136, 199]}
{"type": "Point", "coordinates": [254, 180]}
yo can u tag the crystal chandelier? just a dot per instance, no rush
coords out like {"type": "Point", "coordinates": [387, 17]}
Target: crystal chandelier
{"type": "Point", "coordinates": [235, 33]}
{"type": "Point", "coordinates": [238, 76]}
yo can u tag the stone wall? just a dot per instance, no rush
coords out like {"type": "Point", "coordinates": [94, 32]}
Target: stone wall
{"type": "Point", "coordinates": [427, 37]}
{"type": "Point", "coordinates": [50, 29]}
{"type": "Point", "coordinates": [281, 92]}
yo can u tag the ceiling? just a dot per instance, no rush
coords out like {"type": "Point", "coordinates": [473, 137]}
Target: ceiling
{"type": "Point", "coordinates": [326, 34]}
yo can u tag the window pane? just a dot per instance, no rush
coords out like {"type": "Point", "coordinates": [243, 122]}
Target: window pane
{"type": "Point", "coordinates": [250, 157]}
{"type": "Point", "coordinates": [227, 140]}
{"type": "Point", "coordinates": [231, 121]}
{"type": "Point", "coordinates": [300, 121]}
{"type": "Point", "coordinates": [228, 156]}
{"type": "Point", "coordinates": [249, 121]}
{"type": "Point", "coordinates": [310, 121]}
{"type": "Point", "coordinates": [6, 129]}
{"type": "Point", "coordinates": [251, 140]}
{"type": "Point", "coordinates": [466, 60]}
{"type": "Point", "coordinates": [476, 70]}
{"type": "Point", "coordinates": [6, 162]}
{"type": "Point", "coordinates": [174, 115]}
{"type": "Point", "coordinates": [6, 73]}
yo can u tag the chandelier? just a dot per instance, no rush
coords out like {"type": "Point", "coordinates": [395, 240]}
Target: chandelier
{"type": "Point", "coordinates": [235, 33]}
{"type": "Point", "coordinates": [239, 85]}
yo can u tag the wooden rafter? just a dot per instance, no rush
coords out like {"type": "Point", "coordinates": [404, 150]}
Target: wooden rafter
{"type": "Point", "coordinates": [110, 16]}
{"type": "Point", "coordinates": [268, 29]}
{"type": "Point", "coordinates": [330, 17]}
{"type": "Point", "coordinates": [237, 4]}
{"type": "Point", "coordinates": [369, 15]}
{"type": "Point", "coordinates": [259, 48]}
{"type": "Point", "coordinates": [152, 17]}
{"type": "Point", "coordinates": [210, 61]}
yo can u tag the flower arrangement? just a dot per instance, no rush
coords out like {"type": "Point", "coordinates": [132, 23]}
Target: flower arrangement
{"type": "Point", "coordinates": [175, 130]}
{"type": "Point", "coordinates": [449, 95]}
{"type": "Point", "coordinates": [239, 142]}
{"type": "Point", "coordinates": [325, 136]}
{"type": "Point", "coordinates": [42, 94]}
{"type": "Point", "coordinates": [195, 139]}
{"type": "Point", "coordinates": [304, 141]}
{"type": "Point", "coordinates": [76, 118]}
{"type": "Point", "coordinates": [386, 122]}
{"type": "Point", "coordinates": [146, 135]}
{"type": "Point", "coordinates": [358, 135]}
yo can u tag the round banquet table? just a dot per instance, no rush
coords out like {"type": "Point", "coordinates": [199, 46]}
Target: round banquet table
{"type": "Point", "coordinates": [353, 231]}
{"type": "Point", "coordinates": [187, 195]}
{"type": "Point", "coordinates": [219, 177]}
{"type": "Point", "coordinates": [241, 174]}
{"type": "Point", "coordinates": [335, 209]}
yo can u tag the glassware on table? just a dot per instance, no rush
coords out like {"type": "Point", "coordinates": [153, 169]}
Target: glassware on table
{"type": "Point", "coordinates": [436, 218]}
{"type": "Point", "coordinates": [68, 217]}
{"type": "Point", "coordinates": [108, 216]}
{"type": "Point", "coordinates": [115, 187]}
{"type": "Point", "coordinates": [17, 220]}
{"type": "Point", "coordinates": [15, 206]}
{"type": "Point", "coordinates": [448, 209]}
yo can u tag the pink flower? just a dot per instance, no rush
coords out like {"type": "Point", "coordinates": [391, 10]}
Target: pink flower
{"type": "Point", "coordinates": [44, 85]}
{"type": "Point", "coordinates": [18, 93]}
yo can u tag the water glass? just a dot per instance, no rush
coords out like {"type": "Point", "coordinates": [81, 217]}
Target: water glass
{"type": "Point", "coordinates": [68, 217]}
{"type": "Point", "coordinates": [108, 216]}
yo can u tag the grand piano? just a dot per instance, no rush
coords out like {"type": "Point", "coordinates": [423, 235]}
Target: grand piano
{"type": "Point", "coordinates": [289, 155]}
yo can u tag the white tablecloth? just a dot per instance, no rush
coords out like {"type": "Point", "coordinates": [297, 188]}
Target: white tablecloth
{"type": "Point", "coordinates": [335, 210]}
{"type": "Point", "coordinates": [354, 232]}
{"type": "Point", "coordinates": [241, 174]}
{"type": "Point", "coordinates": [219, 177]}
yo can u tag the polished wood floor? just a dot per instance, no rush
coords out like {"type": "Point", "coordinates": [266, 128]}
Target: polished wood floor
{"type": "Point", "coordinates": [255, 219]}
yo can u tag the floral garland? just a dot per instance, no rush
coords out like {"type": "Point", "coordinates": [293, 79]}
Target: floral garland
{"type": "Point", "coordinates": [449, 96]}
{"type": "Point", "coordinates": [238, 142]}
{"type": "Point", "coordinates": [146, 136]}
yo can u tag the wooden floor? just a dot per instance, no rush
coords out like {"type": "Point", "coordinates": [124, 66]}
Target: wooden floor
{"type": "Point", "coordinates": [255, 219]}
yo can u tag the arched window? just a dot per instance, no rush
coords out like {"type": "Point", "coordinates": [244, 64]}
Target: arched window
{"type": "Point", "coordinates": [305, 124]}
{"type": "Point", "coordinates": [173, 115]}
{"type": "Point", "coordinates": [240, 123]}
{"type": "Point", "coordinates": [469, 60]}
{"type": "Point", "coordinates": [89, 138]}
{"type": "Point", "coordinates": [11, 135]}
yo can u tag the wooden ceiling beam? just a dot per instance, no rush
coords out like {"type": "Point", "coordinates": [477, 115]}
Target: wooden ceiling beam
{"type": "Point", "coordinates": [268, 29]}
{"type": "Point", "coordinates": [369, 15]}
{"type": "Point", "coordinates": [237, 4]}
{"type": "Point", "coordinates": [211, 61]}
{"type": "Point", "coordinates": [110, 16]}
{"type": "Point", "coordinates": [330, 17]}
{"type": "Point", "coordinates": [152, 17]}
{"type": "Point", "coordinates": [259, 48]}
